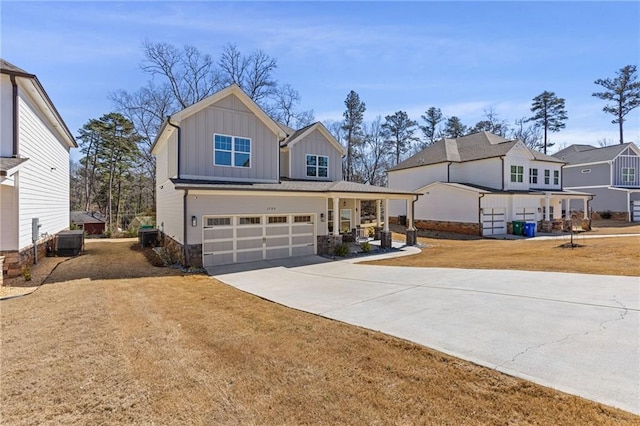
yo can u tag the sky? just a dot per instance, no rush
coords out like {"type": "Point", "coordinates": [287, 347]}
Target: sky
{"type": "Point", "coordinates": [462, 57]}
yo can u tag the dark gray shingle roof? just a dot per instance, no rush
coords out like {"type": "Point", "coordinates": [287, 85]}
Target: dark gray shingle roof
{"type": "Point", "coordinates": [9, 163]}
{"type": "Point", "coordinates": [578, 154]}
{"type": "Point", "coordinates": [476, 146]}
{"type": "Point", "coordinates": [86, 217]}
{"type": "Point", "coordinates": [289, 186]}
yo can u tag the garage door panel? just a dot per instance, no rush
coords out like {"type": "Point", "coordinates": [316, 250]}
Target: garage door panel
{"type": "Point", "coordinates": [277, 253]}
{"type": "Point", "coordinates": [249, 238]}
{"type": "Point", "coordinates": [248, 232]}
{"type": "Point", "coordinates": [494, 221]}
{"type": "Point", "coordinates": [277, 241]}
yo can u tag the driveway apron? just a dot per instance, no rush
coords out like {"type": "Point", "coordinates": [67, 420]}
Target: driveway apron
{"type": "Point", "coordinates": [576, 333]}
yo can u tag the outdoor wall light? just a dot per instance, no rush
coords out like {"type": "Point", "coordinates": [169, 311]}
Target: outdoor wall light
{"type": "Point", "coordinates": [321, 217]}
{"type": "Point", "coordinates": [194, 221]}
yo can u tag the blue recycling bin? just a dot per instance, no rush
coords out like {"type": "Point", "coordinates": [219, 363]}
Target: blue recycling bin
{"type": "Point", "coordinates": [530, 229]}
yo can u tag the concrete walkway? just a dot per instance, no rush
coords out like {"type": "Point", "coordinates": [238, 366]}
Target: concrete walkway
{"type": "Point", "coordinates": [573, 332]}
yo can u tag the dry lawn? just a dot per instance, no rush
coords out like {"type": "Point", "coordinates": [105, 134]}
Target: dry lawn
{"type": "Point", "coordinates": [110, 339]}
{"type": "Point", "coordinates": [607, 256]}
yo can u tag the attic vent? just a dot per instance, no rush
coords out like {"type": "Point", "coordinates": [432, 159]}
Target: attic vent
{"type": "Point", "coordinates": [585, 171]}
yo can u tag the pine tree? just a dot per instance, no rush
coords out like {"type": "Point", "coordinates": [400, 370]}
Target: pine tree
{"type": "Point", "coordinates": [548, 114]}
{"type": "Point", "coordinates": [400, 129]}
{"type": "Point", "coordinates": [353, 118]}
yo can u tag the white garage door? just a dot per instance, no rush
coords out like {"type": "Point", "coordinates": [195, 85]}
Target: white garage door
{"type": "Point", "coordinates": [247, 238]}
{"type": "Point", "coordinates": [494, 221]}
{"type": "Point", "coordinates": [526, 214]}
{"type": "Point", "coordinates": [635, 210]}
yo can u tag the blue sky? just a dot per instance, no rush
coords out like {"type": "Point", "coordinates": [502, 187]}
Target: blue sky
{"type": "Point", "coordinates": [462, 57]}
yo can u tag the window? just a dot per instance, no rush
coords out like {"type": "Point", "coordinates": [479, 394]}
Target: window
{"type": "Point", "coordinates": [302, 219]}
{"type": "Point", "coordinates": [317, 166]}
{"type": "Point", "coordinates": [544, 211]}
{"type": "Point", "coordinates": [231, 151]}
{"type": "Point", "coordinates": [277, 219]}
{"type": "Point", "coordinates": [250, 220]}
{"type": "Point", "coordinates": [628, 174]}
{"type": "Point", "coordinates": [219, 221]}
{"type": "Point", "coordinates": [533, 176]}
{"type": "Point", "coordinates": [556, 177]}
{"type": "Point", "coordinates": [517, 174]}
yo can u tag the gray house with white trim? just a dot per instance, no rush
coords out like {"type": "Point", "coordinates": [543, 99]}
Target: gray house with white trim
{"type": "Point", "coordinates": [611, 173]}
{"type": "Point", "coordinates": [235, 186]}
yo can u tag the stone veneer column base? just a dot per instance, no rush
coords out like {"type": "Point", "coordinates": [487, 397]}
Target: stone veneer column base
{"type": "Point", "coordinates": [412, 237]}
{"type": "Point", "coordinates": [385, 239]}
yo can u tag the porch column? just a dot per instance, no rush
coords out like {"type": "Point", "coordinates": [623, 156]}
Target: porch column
{"type": "Point", "coordinates": [358, 213]}
{"type": "Point", "coordinates": [411, 232]}
{"type": "Point", "coordinates": [336, 216]}
{"type": "Point", "coordinates": [585, 209]}
{"type": "Point", "coordinates": [546, 208]}
{"type": "Point", "coordinates": [385, 235]}
{"type": "Point", "coordinates": [378, 213]}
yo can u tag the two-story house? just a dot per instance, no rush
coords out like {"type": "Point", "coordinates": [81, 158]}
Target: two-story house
{"type": "Point", "coordinates": [611, 173]}
{"type": "Point", "coordinates": [480, 183]}
{"type": "Point", "coordinates": [34, 168]}
{"type": "Point", "coordinates": [235, 186]}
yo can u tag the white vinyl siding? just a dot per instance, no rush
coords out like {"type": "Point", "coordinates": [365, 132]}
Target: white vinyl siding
{"type": "Point", "coordinates": [169, 210]}
{"type": "Point", "coordinates": [43, 182]}
{"type": "Point", "coordinates": [8, 218]}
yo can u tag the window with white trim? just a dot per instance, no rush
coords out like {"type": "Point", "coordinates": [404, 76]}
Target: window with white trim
{"type": "Point", "coordinates": [533, 176]}
{"type": "Point", "coordinates": [628, 174]}
{"type": "Point", "coordinates": [317, 165]}
{"type": "Point", "coordinates": [249, 220]}
{"type": "Point", "coordinates": [232, 151]}
{"type": "Point", "coordinates": [218, 221]}
{"type": "Point", "coordinates": [302, 219]}
{"type": "Point", "coordinates": [517, 174]}
{"type": "Point", "coordinates": [556, 177]}
{"type": "Point", "coordinates": [277, 219]}
{"type": "Point", "coordinates": [547, 176]}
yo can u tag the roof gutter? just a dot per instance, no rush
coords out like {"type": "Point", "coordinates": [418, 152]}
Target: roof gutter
{"type": "Point", "coordinates": [14, 109]}
{"type": "Point", "coordinates": [179, 144]}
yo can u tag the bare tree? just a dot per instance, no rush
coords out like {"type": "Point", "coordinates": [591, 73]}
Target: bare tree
{"type": "Point", "coordinates": [432, 118]}
{"type": "Point", "coordinates": [400, 129]}
{"type": "Point", "coordinates": [253, 73]}
{"type": "Point", "coordinates": [376, 150]}
{"type": "Point", "coordinates": [530, 134]}
{"type": "Point", "coordinates": [284, 108]}
{"type": "Point", "coordinates": [491, 124]}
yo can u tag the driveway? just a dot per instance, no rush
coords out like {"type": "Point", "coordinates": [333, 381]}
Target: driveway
{"type": "Point", "coordinates": [573, 332]}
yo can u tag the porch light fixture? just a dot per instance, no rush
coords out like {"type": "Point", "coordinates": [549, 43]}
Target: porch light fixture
{"type": "Point", "coordinates": [194, 221]}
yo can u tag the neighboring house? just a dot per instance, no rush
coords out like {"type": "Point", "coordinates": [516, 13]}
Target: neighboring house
{"type": "Point", "coordinates": [612, 173]}
{"type": "Point", "coordinates": [235, 186]}
{"type": "Point", "coordinates": [480, 183]}
{"type": "Point", "coordinates": [92, 223]}
{"type": "Point", "coordinates": [34, 168]}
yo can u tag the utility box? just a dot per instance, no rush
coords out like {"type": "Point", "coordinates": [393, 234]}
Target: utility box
{"type": "Point", "coordinates": [69, 243]}
{"type": "Point", "coordinates": [147, 237]}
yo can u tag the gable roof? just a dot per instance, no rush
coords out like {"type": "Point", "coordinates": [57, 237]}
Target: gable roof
{"type": "Point", "coordinates": [476, 146]}
{"type": "Point", "coordinates": [86, 217]}
{"type": "Point", "coordinates": [44, 102]}
{"type": "Point", "coordinates": [298, 135]}
{"type": "Point", "coordinates": [234, 89]}
{"type": "Point", "coordinates": [579, 154]}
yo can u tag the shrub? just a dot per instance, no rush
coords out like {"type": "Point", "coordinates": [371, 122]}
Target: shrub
{"type": "Point", "coordinates": [372, 232]}
{"type": "Point", "coordinates": [605, 214]}
{"type": "Point", "coordinates": [341, 250]}
{"type": "Point", "coordinates": [365, 247]}
{"type": "Point", "coordinates": [26, 272]}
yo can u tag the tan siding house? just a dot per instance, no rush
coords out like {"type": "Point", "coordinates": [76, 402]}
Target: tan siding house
{"type": "Point", "coordinates": [235, 186]}
{"type": "Point", "coordinates": [34, 168]}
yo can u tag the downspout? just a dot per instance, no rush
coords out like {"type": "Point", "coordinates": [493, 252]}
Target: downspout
{"type": "Point", "coordinates": [14, 124]}
{"type": "Point", "coordinates": [480, 214]}
{"type": "Point", "coordinates": [413, 212]}
{"type": "Point", "coordinates": [449, 172]}
{"type": "Point", "coordinates": [185, 250]}
{"type": "Point", "coordinates": [561, 179]}
{"type": "Point", "coordinates": [179, 143]}
{"type": "Point", "coordinates": [502, 160]}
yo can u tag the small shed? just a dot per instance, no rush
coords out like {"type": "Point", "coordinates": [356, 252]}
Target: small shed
{"type": "Point", "coordinates": [92, 223]}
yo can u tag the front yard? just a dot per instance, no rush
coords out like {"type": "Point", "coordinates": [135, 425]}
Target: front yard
{"type": "Point", "coordinates": [110, 339]}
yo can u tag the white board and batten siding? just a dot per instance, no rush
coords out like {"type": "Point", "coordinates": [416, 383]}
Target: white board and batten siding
{"type": "Point", "coordinates": [44, 180]}
{"type": "Point", "coordinates": [230, 117]}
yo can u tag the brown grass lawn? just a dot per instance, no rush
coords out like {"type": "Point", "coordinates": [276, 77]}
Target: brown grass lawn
{"type": "Point", "coordinates": [110, 339]}
{"type": "Point", "coordinates": [608, 256]}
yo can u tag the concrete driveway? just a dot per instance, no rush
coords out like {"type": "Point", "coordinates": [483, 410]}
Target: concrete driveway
{"type": "Point", "coordinates": [573, 332]}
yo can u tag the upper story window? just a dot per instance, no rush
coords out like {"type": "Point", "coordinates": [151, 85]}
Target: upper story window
{"type": "Point", "coordinates": [517, 174]}
{"type": "Point", "coordinates": [317, 166]}
{"type": "Point", "coordinates": [628, 174]}
{"type": "Point", "coordinates": [547, 176]}
{"type": "Point", "coordinates": [556, 177]}
{"type": "Point", "coordinates": [231, 151]}
{"type": "Point", "coordinates": [533, 176]}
